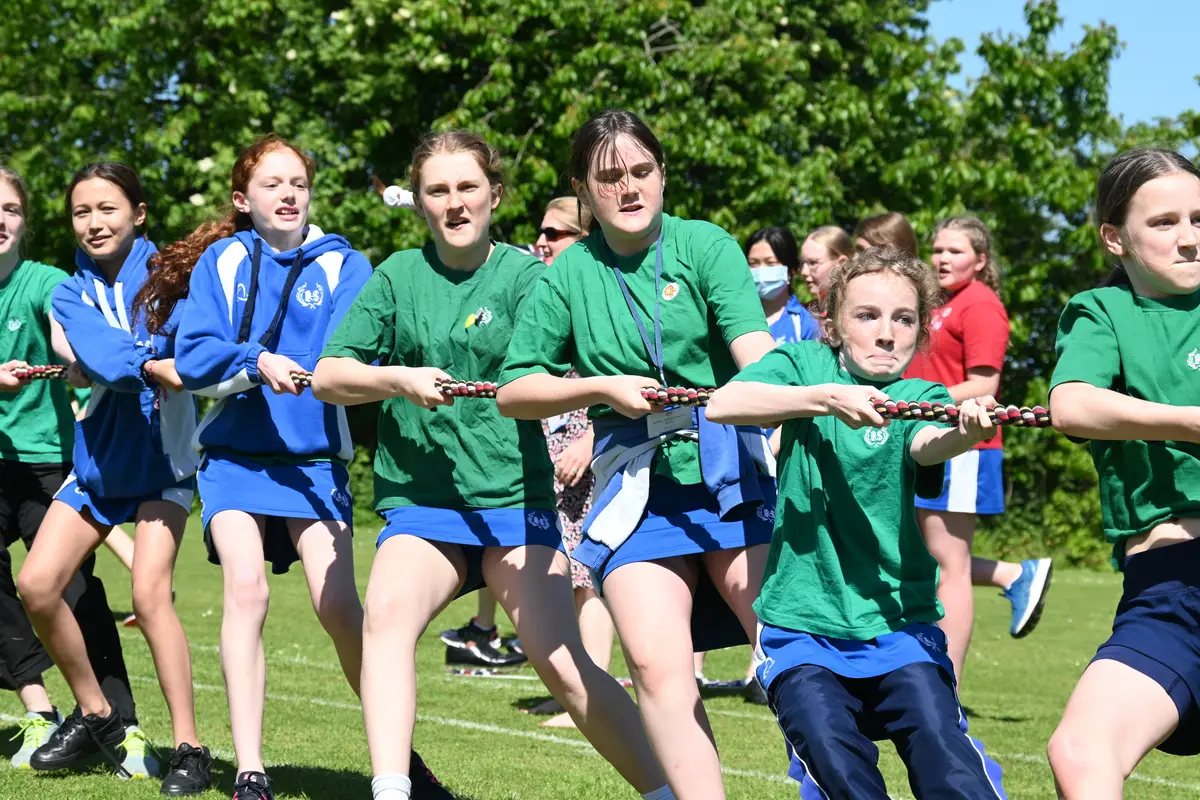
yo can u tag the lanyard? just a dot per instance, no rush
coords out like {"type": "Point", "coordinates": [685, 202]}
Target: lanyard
{"type": "Point", "coordinates": [655, 349]}
{"type": "Point", "coordinates": [248, 310]}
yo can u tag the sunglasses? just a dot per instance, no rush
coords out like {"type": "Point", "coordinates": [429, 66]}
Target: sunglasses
{"type": "Point", "coordinates": [554, 234]}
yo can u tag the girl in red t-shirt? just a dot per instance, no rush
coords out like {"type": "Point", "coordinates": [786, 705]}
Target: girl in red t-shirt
{"type": "Point", "coordinates": [966, 354]}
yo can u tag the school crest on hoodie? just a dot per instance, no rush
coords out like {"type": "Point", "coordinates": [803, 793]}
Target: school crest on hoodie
{"type": "Point", "coordinates": [290, 307]}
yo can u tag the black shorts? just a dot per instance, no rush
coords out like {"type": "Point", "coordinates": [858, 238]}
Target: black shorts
{"type": "Point", "coordinates": [26, 491]}
{"type": "Point", "coordinates": [1157, 632]}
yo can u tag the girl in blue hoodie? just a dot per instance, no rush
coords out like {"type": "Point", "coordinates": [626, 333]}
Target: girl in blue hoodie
{"type": "Point", "coordinates": [133, 463]}
{"type": "Point", "coordinates": [265, 290]}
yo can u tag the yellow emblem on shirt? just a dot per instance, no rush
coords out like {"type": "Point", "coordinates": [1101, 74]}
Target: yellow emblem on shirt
{"type": "Point", "coordinates": [470, 321]}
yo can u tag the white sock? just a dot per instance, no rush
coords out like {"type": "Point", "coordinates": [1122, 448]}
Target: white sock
{"type": "Point", "coordinates": [661, 793]}
{"type": "Point", "coordinates": [393, 786]}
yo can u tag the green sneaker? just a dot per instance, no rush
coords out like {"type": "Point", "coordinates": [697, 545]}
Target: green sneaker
{"type": "Point", "coordinates": [35, 731]}
{"type": "Point", "coordinates": [140, 761]}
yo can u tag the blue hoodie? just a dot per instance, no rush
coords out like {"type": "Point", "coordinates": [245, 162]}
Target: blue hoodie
{"type": "Point", "coordinates": [135, 438]}
{"type": "Point", "coordinates": [219, 345]}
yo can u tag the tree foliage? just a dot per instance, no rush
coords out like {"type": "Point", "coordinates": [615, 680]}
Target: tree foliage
{"type": "Point", "coordinates": [771, 112]}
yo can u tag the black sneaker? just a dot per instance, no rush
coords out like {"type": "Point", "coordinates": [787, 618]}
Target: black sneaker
{"type": "Point", "coordinates": [79, 738]}
{"type": "Point", "coordinates": [425, 785]}
{"type": "Point", "coordinates": [188, 771]}
{"type": "Point", "coordinates": [754, 693]}
{"type": "Point", "coordinates": [512, 644]}
{"type": "Point", "coordinates": [478, 647]}
{"type": "Point", "coordinates": [252, 786]}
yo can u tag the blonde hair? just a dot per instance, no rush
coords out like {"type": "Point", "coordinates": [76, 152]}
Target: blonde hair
{"type": "Point", "coordinates": [456, 141]}
{"type": "Point", "coordinates": [892, 228]}
{"type": "Point", "coordinates": [836, 240]}
{"type": "Point", "coordinates": [571, 208]}
{"type": "Point", "coordinates": [980, 239]}
{"type": "Point", "coordinates": [886, 259]}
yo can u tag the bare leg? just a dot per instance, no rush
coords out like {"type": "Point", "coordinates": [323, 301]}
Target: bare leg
{"type": "Point", "coordinates": [737, 575]}
{"type": "Point", "coordinates": [412, 580]}
{"type": "Point", "coordinates": [1001, 574]}
{"type": "Point", "coordinates": [238, 539]}
{"type": "Point", "coordinates": [34, 697]}
{"type": "Point", "coordinates": [485, 614]}
{"type": "Point", "coordinates": [596, 630]}
{"type": "Point", "coordinates": [64, 540]}
{"type": "Point", "coordinates": [534, 585]}
{"type": "Point", "coordinates": [658, 650]}
{"type": "Point", "coordinates": [327, 552]}
{"type": "Point", "coordinates": [120, 544]}
{"type": "Point", "coordinates": [159, 530]}
{"type": "Point", "coordinates": [949, 536]}
{"type": "Point", "coordinates": [1115, 716]}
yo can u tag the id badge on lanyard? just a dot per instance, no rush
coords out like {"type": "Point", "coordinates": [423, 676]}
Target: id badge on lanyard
{"type": "Point", "coordinates": [676, 419]}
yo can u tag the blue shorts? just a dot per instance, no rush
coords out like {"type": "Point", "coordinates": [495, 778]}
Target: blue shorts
{"type": "Point", "coordinates": [474, 531]}
{"type": "Point", "coordinates": [973, 484]}
{"type": "Point", "coordinates": [683, 520]}
{"type": "Point", "coordinates": [316, 490]}
{"type": "Point", "coordinates": [119, 510]}
{"type": "Point", "coordinates": [1155, 632]}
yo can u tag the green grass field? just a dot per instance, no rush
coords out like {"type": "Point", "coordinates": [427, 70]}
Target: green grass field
{"type": "Point", "coordinates": [473, 732]}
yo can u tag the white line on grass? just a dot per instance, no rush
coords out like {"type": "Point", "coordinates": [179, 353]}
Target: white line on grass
{"type": "Point", "coordinates": [304, 662]}
{"type": "Point", "coordinates": [578, 744]}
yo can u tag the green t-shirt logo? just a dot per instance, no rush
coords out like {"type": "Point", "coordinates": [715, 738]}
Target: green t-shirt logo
{"type": "Point", "coordinates": [875, 437]}
{"type": "Point", "coordinates": [14, 325]}
{"type": "Point", "coordinates": [1193, 358]}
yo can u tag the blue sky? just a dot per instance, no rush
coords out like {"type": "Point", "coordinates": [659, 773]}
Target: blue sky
{"type": "Point", "coordinates": [1154, 75]}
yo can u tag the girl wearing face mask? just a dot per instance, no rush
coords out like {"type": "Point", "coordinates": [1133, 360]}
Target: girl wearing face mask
{"type": "Point", "coordinates": [848, 647]}
{"type": "Point", "coordinates": [969, 337]}
{"type": "Point", "coordinates": [467, 495]}
{"type": "Point", "coordinates": [675, 541]}
{"type": "Point", "coordinates": [265, 288]}
{"type": "Point", "coordinates": [133, 462]}
{"type": "Point", "coordinates": [1126, 379]}
{"type": "Point", "coordinates": [824, 249]}
{"type": "Point", "coordinates": [771, 254]}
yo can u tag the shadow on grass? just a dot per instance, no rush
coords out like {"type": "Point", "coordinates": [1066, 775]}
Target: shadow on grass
{"type": "Point", "coordinates": [298, 780]}
{"type": "Point", "coordinates": [973, 714]}
{"type": "Point", "coordinates": [288, 780]}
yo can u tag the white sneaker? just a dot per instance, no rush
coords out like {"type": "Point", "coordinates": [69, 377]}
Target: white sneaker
{"type": "Point", "coordinates": [35, 731]}
{"type": "Point", "coordinates": [140, 761]}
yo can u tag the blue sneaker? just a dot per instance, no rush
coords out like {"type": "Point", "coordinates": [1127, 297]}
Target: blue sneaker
{"type": "Point", "coordinates": [1028, 595]}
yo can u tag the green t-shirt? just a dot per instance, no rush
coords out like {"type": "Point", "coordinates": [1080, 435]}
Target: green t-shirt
{"type": "Point", "coordinates": [415, 312]}
{"type": "Point", "coordinates": [847, 559]}
{"type": "Point", "coordinates": [36, 425]}
{"type": "Point", "coordinates": [1149, 349]}
{"type": "Point", "coordinates": [577, 317]}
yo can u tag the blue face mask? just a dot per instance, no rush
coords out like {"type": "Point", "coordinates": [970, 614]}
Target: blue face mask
{"type": "Point", "coordinates": [771, 281]}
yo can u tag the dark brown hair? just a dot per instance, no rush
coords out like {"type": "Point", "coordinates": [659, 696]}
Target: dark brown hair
{"type": "Point", "coordinates": [1120, 181]}
{"type": "Point", "coordinates": [171, 269]}
{"type": "Point", "coordinates": [891, 228]}
{"type": "Point", "coordinates": [598, 138]}
{"type": "Point", "coordinates": [121, 176]}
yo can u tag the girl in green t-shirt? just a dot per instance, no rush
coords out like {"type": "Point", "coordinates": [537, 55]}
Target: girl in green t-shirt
{"type": "Point", "coordinates": [681, 510]}
{"type": "Point", "coordinates": [849, 650]}
{"type": "Point", "coordinates": [467, 495]}
{"type": "Point", "coordinates": [1128, 379]}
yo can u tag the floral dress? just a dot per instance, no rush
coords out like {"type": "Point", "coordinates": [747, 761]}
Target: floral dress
{"type": "Point", "coordinates": [574, 502]}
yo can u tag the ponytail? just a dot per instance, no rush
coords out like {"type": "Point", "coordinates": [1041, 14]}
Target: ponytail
{"type": "Point", "coordinates": [171, 269]}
